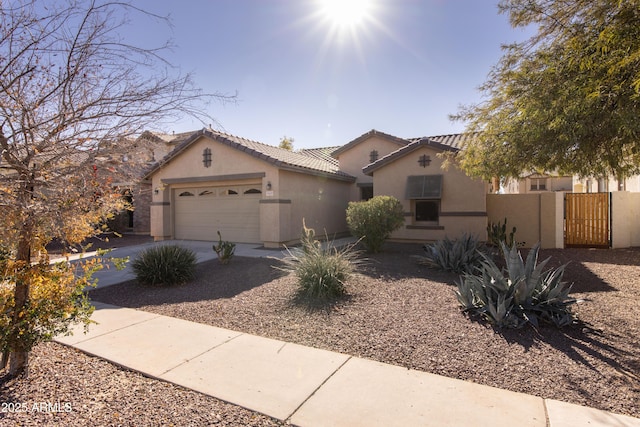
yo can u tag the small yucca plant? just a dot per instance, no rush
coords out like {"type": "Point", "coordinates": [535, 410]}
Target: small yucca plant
{"type": "Point", "coordinates": [521, 293]}
{"type": "Point", "coordinates": [322, 270]}
{"type": "Point", "coordinates": [165, 265]}
{"type": "Point", "coordinates": [458, 255]}
{"type": "Point", "coordinates": [224, 249]}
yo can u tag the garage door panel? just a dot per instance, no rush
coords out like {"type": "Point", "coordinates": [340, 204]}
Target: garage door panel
{"type": "Point", "coordinates": [199, 217]}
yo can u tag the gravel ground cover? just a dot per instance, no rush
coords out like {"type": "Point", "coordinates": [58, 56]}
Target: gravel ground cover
{"type": "Point", "coordinates": [66, 387]}
{"type": "Point", "coordinates": [397, 312]}
{"type": "Point", "coordinates": [403, 313]}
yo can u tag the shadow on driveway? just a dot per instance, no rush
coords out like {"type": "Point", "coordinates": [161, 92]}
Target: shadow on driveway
{"type": "Point", "coordinates": [213, 281]}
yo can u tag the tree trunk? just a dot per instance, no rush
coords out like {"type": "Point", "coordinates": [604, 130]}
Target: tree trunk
{"type": "Point", "coordinates": [18, 353]}
{"type": "Point", "coordinates": [19, 363]}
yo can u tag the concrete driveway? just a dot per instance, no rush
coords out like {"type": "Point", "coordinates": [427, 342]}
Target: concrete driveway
{"type": "Point", "coordinates": [203, 250]}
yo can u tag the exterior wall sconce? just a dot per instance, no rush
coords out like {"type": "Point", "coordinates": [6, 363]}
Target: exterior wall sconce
{"type": "Point", "coordinates": [156, 191]}
{"type": "Point", "coordinates": [269, 186]}
{"type": "Point", "coordinates": [206, 157]}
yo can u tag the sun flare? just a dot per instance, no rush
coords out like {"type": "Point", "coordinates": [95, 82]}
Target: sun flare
{"type": "Point", "coordinates": [345, 13]}
{"type": "Point", "coordinates": [346, 26]}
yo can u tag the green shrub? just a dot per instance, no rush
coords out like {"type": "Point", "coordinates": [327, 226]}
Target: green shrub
{"type": "Point", "coordinates": [165, 265]}
{"type": "Point", "coordinates": [224, 250]}
{"type": "Point", "coordinates": [374, 220]}
{"type": "Point", "coordinates": [497, 234]}
{"type": "Point", "coordinates": [521, 293]}
{"type": "Point", "coordinates": [322, 270]}
{"type": "Point", "coordinates": [458, 255]}
{"type": "Point", "coordinates": [56, 301]}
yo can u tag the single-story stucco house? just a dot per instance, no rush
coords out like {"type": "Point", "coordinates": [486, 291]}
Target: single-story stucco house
{"type": "Point", "coordinates": [256, 193]}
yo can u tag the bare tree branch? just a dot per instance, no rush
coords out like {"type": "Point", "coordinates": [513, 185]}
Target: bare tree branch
{"type": "Point", "coordinates": [71, 94]}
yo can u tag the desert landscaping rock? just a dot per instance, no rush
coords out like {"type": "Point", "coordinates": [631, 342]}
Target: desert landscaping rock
{"type": "Point", "coordinates": [89, 391]}
{"type": "Point", "coordinates": [405, 314]}
{"type": "Point", "coordinates": [397, 312]}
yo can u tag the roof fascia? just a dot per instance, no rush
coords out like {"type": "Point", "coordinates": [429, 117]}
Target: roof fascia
{"type": "Point", "coordinates": [349, 145]}
{"type": "Point", "coordinates": [392, 157]}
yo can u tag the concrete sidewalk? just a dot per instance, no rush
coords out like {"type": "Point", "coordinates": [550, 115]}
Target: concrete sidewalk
{"type": "Point", "coordinates": [308, 386]}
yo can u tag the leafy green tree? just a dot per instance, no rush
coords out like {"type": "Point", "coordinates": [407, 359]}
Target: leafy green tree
{"type": "Point", "coordinates": [374, 220]}
{"type": "Point", "coordinates": [565, 100]}
{"type": "Point", "coordinates": [71, 92]}
{"type": "Point", "coordinates": [286, 143]}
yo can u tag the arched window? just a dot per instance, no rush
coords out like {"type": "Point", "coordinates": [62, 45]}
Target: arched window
{"type": "Point", "coordinates": [186, 194]}
{"type": "Point", "coordinates": [253, 191]}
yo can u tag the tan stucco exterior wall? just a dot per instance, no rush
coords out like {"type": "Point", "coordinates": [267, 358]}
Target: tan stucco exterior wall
{"type": "Point", "coordinates": [552, 215]}
{"type": "Point", "coordinates": [462, 206]}
{"type": "Point", "coordinates": [633, 183]}
{"type": "Point", "coordinates": [625, 208]}
{"type": "Point", "coordinates": [287, 196]}
{"type": "Point", "coordinates": [540, 217]}
{"type": "Point", "coordinates": [187, 170]}
{"type": "Point", "coordinates": [275, 222]}
{"type": "Point", "coordinates": [353, 160]}
{"type": "Point", "coordinates": [595, 185]}
{"type": "Point", "coordinates": [322, 202]}
{"type": "Point", "coordinates": [224, 161]}
{"type": "Point", "coordinates": [553, 183]}
{"type": "Point", "coordinates": [537, 217]}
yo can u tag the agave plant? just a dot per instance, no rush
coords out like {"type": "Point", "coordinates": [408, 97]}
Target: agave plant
{"type": "Point", "coordinates": [459, 255]}
{"type": "Point", "coordinates": [523, 292]}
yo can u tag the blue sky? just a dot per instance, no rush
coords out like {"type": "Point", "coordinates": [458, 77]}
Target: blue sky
{"type": "Point", "coordinates": [402, 69]}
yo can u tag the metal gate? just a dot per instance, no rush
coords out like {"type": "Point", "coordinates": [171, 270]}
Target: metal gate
{"type": "Point", "coordinates": [587, 220]}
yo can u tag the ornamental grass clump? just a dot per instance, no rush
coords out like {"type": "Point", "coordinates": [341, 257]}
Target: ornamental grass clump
{"type": "Point", "coordinates": [461, 255]}
{"type": "Point", "coordinates": [521, 293]}
{"type": "Point", "coordinates": [165, 265]}
{"type": "Point", "coordinates": [322, 270]}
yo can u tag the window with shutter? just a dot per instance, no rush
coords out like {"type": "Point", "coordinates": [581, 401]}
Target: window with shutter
{"type": "Point", "coordinates": [424, 187]}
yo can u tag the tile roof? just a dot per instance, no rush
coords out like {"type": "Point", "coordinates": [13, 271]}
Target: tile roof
{"type": "Point", "coordinates": [365, 136]}
{"type": "Point", "coordinates": [323, 153]}
{"type": "Point", "coordinates": [321, 161]}
{"type": "Point", "coordinates": [171, 139]}
{"type": "Point", "coordinates": [455, 140]}
{"type": "Point", "coordinates": [412, 146]}
{"type": "Point", "coordinates": [313, 161]}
